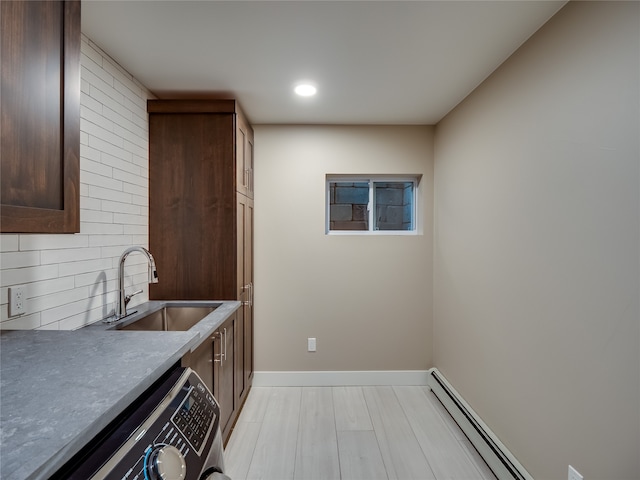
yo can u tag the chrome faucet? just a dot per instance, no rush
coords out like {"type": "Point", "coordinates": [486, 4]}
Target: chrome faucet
{"type": "Point", "coordinates": [123, 300]}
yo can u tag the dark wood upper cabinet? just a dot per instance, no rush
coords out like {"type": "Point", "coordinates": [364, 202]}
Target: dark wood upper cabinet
{"type": "Point", "coordinates": [40, 117]}
{"type": "Point", "coordinates": [194, 182]}
{"type": "Point", "coordinates": [192, 202]}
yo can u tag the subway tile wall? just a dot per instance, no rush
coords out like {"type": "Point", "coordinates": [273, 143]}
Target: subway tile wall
{"type": "Point", "coordinates": [70, 280]}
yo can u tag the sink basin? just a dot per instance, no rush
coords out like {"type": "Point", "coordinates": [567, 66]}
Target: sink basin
{"type": "Point", "coordinates": [170, 319]}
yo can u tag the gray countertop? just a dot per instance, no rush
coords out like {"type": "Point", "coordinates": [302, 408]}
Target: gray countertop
{"type": "Point", "coordinates": [58, 389]}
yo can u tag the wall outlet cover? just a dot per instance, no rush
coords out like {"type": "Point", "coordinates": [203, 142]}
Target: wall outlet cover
{"type": "Point", "coordinates": [311, 344]}
{"type": "Point", "coordinates": [17, 301]}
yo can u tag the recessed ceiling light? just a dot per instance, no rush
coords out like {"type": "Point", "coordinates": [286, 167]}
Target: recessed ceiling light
{"type": "Point", "coordinates": [305, 90]}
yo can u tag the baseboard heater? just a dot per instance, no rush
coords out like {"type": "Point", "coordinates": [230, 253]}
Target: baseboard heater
{"type": "Point", "coordinates": [503, 464]}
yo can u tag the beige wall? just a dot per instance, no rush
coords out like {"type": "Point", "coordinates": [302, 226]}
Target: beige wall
{"type": "Point", "coordinates": [367, 299]}
{"type": "Point", "coordinates": [536, 248]}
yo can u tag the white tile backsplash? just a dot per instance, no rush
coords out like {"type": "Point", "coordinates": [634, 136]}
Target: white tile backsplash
{"type": "Point", "coordinates": [71, 280]}
{"type": "Point", "coordinates": [97, 168]}
{"type": "Point", "coordinates": [83, 266]}
{"type": "Point", "coordinates": [36, 290]}
{"type": "Point", "coordinates": [68, 255]}
{"type": "Point", "coordinates": [120, 207]}
{"type": "Point", "coordinates": [110, 240]}
{"type": "Point", "coordinates": [20, 276]}
{"type": "Point", "coordinates": [9, 243]}
{"type": "Point", "coordinates": [95, 191]}
{"type": "Point", "coordinates": [47, 303]}
{"type": "Point", "coordinates": [93, 54]}
{"type": "Point", "coordinates": [95, 216]}
{"type": "Point", "coordinates": [19, 259]}
{"type": "Point", "coordinates": [52, 242]}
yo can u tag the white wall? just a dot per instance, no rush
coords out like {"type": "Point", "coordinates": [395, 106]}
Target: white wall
{"type": "Point", "coordinates": [367, 299]}
{"type": "Point", "coordinates": [71, 279]}
{"type": "Point", "coordinates": [536, 252]}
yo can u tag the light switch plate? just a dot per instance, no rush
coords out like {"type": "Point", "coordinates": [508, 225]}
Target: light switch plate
{"type": "Point", "coordinates": [17, 301]}
{"type": "Point", "coordinates": [311, 344]}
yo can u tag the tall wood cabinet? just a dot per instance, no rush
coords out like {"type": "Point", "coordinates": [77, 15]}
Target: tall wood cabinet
{"type": "Point", "coordinates": [201, 217]}
{"type": "Point", "coordinates": [40, 116]}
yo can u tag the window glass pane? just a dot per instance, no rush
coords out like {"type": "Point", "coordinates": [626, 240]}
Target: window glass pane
{"type": "Point", "coordinates": [393, 205]}
{"type": "Point", "coordinates": [348, 205]}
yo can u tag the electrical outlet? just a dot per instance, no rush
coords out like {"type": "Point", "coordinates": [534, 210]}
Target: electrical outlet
{"type": "Point", "coordinates": [17, 301]}
{"type": "Point", "coordinates": [574, 475]}
{"type": "Point", "coordinates": [311, 344]}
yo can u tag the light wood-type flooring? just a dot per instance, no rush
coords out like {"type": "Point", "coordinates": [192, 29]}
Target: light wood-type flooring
{"type": "Point", "coordinates": [349, 433]}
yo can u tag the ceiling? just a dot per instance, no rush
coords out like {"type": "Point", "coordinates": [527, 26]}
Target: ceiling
{"type": "Point", "coordinates": [374, 62]}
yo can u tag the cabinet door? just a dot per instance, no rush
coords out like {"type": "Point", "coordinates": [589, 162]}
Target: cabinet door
{"type": "Point", "coordinates": [202, 362]}
{"type": "Point", "coordinates": [40, 105]}
{"type": "Point", "coordinates": [244, 156]}
{"type": "Point", "coordinates": [249, 162]}
{"type": "Point", "coordinates": [243, 295]}
{"type": "Point", "coordinates": [224, 373]}
{"type": "Point", "coordinates": [248, 308]}
{"type": "Point", "coordinates": [244, 326]}
{"type": "Point", "coordinates": [192, 199]}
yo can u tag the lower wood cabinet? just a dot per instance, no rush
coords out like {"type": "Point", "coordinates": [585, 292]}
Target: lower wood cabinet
{"type": "Point", "coordinates": [223, 367]}
{"type": "Point", "coordinates": [201, 361]}
{"type": "Point", "coordinates": [215, 362]}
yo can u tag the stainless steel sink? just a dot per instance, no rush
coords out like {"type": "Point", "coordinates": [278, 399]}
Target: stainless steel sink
{"type": "Point", "coordinates": [170, 319]}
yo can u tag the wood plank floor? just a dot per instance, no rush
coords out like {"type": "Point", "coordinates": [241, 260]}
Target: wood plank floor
{"type": "Point", "coordinates": [349, 433]}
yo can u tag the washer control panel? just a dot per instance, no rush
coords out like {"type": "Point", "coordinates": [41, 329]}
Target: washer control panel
{"type": "Point", "coordinates": [168, 437]}
{"type": "Point", "coordinates": [195, 417]}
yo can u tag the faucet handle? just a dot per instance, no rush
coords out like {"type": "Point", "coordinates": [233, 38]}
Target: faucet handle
{"type": "Point", "coordinates": [128, 298]}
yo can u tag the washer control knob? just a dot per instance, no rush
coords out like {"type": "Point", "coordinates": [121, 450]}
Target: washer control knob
{"type": "Point", "coordinates": [167, 463]}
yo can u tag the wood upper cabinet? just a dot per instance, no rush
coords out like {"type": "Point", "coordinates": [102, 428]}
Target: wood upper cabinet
{"type": "Point", "coordinates": [192, 206]}
{"type": "Point", "coordinates": [40, 119]}
{"type": "Point", "coordinates": [193, 234]}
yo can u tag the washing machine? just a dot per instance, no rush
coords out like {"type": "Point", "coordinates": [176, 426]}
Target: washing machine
{"type": "Point", "coordinates": [172, 432]}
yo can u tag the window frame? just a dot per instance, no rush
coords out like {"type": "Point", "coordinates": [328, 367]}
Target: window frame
{"type": "Point", "coordinates": [371, 179]}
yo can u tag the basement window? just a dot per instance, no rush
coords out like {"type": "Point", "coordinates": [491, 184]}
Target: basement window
{"type": "Point", "coordinates": [371, 204]}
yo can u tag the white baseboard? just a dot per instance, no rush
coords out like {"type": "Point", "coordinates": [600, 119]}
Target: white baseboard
{"type": "Point", "coordinates": [336, 378]}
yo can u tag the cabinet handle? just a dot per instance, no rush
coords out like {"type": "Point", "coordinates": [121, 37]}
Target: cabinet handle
{"type": "Point", "coordinates": [218, 355]}
{"type": "Point", "coordinates": [248, 288]}
{"type": "Point", "coordinates": [225, 345]}
{"type": "Point", "coordinates": [247, 293]}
